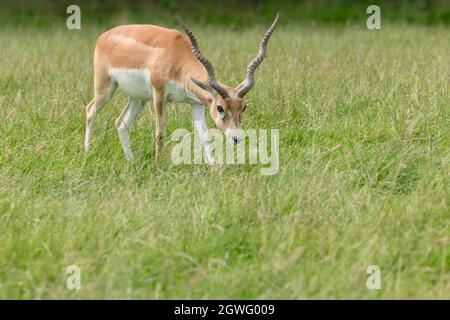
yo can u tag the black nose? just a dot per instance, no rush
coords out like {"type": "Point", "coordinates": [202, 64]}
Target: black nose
{"type": "Point", "coordinates": [235, 139]}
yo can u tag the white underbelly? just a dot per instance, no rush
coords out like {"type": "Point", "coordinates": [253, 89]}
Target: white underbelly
{"type": "Point", "coordinates": [135, 83]}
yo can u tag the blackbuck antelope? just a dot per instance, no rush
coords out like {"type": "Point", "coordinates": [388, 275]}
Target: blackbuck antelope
{"type": "Point", "coordinates": [151, 62]}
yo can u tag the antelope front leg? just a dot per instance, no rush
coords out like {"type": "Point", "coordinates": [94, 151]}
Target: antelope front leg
{"type": "Point", "coordinates": [200, 125]}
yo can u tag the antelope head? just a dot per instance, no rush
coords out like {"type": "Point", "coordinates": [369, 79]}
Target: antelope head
{"type": "Point", "coordinates": [227, 103]}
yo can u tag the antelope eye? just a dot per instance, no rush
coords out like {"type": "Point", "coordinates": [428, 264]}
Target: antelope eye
{"type": "Point", "coordinates": [220, 109]}
{"type": "Point", "coordinates": [245, 107]}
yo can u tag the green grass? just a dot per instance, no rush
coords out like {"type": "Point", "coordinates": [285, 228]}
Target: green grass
{"type": "Point", "coordinates": [364, 173]}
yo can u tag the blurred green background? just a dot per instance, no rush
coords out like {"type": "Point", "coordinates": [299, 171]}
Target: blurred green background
{"type": "Point", "coordinates": [236, 13]}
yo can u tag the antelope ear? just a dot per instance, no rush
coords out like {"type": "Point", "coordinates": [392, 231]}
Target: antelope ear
{"type": "Point", "coordinates": [204, 86]}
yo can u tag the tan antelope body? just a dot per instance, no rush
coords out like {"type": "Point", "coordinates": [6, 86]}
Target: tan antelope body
{"type": "Point", "coordinates": [153, 63]}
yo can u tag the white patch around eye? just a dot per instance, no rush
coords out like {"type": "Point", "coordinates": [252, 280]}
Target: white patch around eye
{"type": "Point", "coordinates": [221, 113]}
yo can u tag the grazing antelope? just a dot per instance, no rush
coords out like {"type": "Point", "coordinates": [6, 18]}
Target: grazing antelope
{"type": "Point", "coordinates": [151, 62]}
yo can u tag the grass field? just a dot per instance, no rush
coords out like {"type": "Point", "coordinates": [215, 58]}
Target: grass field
{"type": "Point", "coordinates": [363, 180]}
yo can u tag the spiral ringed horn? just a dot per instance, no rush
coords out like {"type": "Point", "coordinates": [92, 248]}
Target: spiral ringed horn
{"type": "Point", "coordinates": [247, 84]}
{"type": "Point", "coordinates": [204, 61]}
